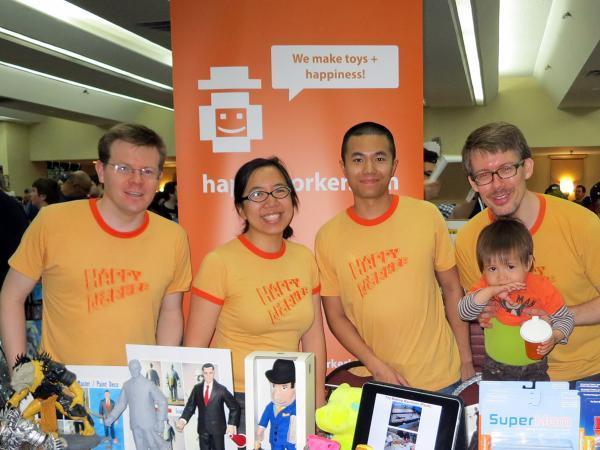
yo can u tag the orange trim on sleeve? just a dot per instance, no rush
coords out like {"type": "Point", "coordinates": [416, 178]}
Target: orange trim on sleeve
{"type": "Point", "coordinates": [377, 220]}
{"type": "Point", "coordinates": [257, 251]}
{"type": "Point", "coordinates": [206, 296]}
{"type": "Point", "coordinates": [120, 234]}
{"type": "Point", "coordinates": [316, 289]}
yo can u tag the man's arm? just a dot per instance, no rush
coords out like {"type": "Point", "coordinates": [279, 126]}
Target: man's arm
{"type": "Point", "coordinates": [169, 330]}
{"type": "Point", "coordinates": [117, 410]}
{"type": "Point", "coordinates": [188, 411]}
{"type": "Point", "coordinates": [14, 292]}
{"type": "Point", "coordinates": [587, 313]}
{"type": "Point", "coordinates": [452, 292]}
{"type": "Point", "coordinates": [346, 333]}
{"type": "Point", "coordinates": [234, 410]}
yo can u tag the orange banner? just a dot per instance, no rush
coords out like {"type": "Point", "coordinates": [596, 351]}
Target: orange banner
{"type": "Point", "coordinates": [288, 78]}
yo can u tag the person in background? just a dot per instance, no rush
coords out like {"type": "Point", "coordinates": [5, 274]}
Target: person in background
{"type": "Point", "coordinates": [595, 199]}
{"type": "Point", "coordinates": [77, 186]}
{"type": "Point", "coordinates": [431, 153]}
{"type": "Point", "coordinates": [554, 190]}
{"type": "Point", "coordinates": [566, 249]}
{"type": "Point", "coordinates": [12, 226]}
{"type": "Point", "coordinates": [166, 204]}
{"type": "Point", "coordinates": [44, 192]}
{"type": "Point", "coordinates": [260, 290]}
{"type": "Point", "coordinates": [581, 198]}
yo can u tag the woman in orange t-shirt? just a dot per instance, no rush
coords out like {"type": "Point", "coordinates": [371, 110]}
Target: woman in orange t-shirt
{"type": "Point", "coordinates": [260, 291]}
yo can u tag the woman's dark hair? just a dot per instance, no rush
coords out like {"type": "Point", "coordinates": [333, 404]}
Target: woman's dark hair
{"type": "Point", "coordinates": [245, 172]}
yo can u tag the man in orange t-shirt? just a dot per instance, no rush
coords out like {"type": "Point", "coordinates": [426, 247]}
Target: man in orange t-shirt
{"type": "Point", "coordinates": [111, 272]}
{"type": "Point", "coordinates": [380, 263]}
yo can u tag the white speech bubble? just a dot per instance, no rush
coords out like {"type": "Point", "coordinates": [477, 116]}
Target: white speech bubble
{"type": "Point", "coordinates": [298, 67]}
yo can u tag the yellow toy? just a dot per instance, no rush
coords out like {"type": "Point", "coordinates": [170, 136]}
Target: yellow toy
{"type": "Point", "coordinates": [338, 416]}
{"type": "Point", "coordinates": [44, 378]}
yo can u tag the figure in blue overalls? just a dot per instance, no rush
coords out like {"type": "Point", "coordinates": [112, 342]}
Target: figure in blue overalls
{"type": "Point", "coordinates": [281, 411]}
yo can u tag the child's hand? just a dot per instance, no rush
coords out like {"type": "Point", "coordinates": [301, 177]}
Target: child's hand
{"type": "Point", "coordinates": [548, 345]}
{"type": "Point", "coordinates": [502, 290]}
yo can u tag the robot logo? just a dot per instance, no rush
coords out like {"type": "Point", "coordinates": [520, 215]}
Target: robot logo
{"type": "Point", "coordinates": [230, 121]}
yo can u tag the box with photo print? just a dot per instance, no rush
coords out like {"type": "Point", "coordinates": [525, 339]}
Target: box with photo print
{"type": "Point", "coordinates": [183, 374]}
{"type": "Point", "coordinates": [102, 386]}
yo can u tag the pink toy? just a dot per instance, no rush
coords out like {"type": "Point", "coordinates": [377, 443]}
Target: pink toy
{"type": "Point", "coordinates": [315, 442]}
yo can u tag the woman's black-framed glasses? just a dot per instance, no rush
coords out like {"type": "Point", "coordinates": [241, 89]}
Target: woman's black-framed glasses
{"type": "Point", "coordinates": [261, 196]}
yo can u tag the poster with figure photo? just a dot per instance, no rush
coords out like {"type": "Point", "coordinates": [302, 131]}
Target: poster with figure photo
{"type": "Point", "coordinates": [184, 374]}
{"type": "Point", "coordinates": [102, 387]}
{"type": "Point", "coordinates": [152, 370]}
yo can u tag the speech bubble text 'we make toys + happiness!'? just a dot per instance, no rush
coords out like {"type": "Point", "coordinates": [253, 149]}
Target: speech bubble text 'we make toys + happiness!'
{"type": "Point", "coordinates": [298, 67]}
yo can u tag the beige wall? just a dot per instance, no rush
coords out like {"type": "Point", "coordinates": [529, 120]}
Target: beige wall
{"type": "Point", "coordinates": [14, 156]}
{"type": "Point", "coordinates": [63, 140]}
{"type": "Point", "coordinates": [523, 102]}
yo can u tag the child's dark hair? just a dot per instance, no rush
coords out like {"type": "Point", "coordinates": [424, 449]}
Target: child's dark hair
{"type": "Point", "coordinates": [502, 239]}
{"type": "Point", "coordinates": [241, 181]}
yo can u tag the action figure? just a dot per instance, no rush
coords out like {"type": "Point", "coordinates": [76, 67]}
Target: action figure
{"type": "Point", "coordinates": [106, 405]}
{"type": "Point", "coordinates": [281, 411]}
{"type": "Point", "coordinates": [152, 375]}
{"type": "Point", "coordinates": [46, 379]}
{"type": "Point", "coordinates": [17, 433]}
{"type": "Point", "coordinates": [209, 397]}
{"type": "Point", "coordinates": [147, 409]}
{"type": "Point", "coordinates": [173, 382]}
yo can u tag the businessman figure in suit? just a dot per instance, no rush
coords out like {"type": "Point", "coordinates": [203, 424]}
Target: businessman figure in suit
{"type": "Point", "coordinates": [209, 397]}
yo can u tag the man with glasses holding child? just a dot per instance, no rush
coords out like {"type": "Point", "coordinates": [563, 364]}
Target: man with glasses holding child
{"type": "Point", "coordinates": [111, 272]}
{"type": "Point", "coordinates": [498, 163]}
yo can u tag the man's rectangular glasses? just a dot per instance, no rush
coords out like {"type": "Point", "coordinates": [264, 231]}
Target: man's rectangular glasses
{"type": "Point", "coordinates": [125, 170]}
{"type": "Point", "coordinates": [504, 172]}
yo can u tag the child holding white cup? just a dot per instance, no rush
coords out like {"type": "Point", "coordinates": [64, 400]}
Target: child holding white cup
{"type": "Point", "coordinates": [505, 258]}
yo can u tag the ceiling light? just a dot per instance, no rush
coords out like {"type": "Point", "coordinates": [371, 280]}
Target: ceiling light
{"type": "Point", "coordinates": [34, 43]}
{"type": "Point", "coordinates": [566, 185]}
{"type": "Point", "coordinates": [467, 27]}
{"type": "Point", "coordinates": [81, 85]}
{"type": "Point", "coordinates": [85, 20]}
{"type": "Point", "coordinates": [9, 119]}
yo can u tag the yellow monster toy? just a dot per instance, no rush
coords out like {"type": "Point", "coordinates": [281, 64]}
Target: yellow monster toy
{"type": "Point", "coordinates": [44, 379]}
{"type": "Point", "coordinates": [338, 416]}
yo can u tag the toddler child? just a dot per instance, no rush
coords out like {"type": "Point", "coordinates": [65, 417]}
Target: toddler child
{"type": "Point", "coordinates": [505, 258]}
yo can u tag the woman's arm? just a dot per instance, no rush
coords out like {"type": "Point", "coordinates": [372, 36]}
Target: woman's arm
{"type": "Point", "coordinates": [314, 341]}
{"type": "Point", "coordinates": [201, 323]}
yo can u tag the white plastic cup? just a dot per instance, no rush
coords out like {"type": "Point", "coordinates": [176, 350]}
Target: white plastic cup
{"type": "Point", "coordinates": [534, 332]}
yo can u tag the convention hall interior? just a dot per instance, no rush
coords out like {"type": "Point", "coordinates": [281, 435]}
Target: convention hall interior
{"type": "Point", "coordinates": [70, 70]}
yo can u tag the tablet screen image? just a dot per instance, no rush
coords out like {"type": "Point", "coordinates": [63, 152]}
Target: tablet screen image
{"type": "Point", "coordinates": [400, 424]}
{"type": "Point", "coordinates": [399, 418]}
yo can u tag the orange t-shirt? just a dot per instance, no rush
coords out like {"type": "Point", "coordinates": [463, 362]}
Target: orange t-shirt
{"type": "Point", "coordinates": [266, 298]}
{"type": "Point", "coordinates": [539, 293]}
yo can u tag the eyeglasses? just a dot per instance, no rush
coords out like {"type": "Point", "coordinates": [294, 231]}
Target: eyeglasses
{"type": "Point", "coordinates": [146, 172]}
{"type": "Point", "coordinates": [504, 172]}
{"type": "Point", "coordinates": [261, 196]}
